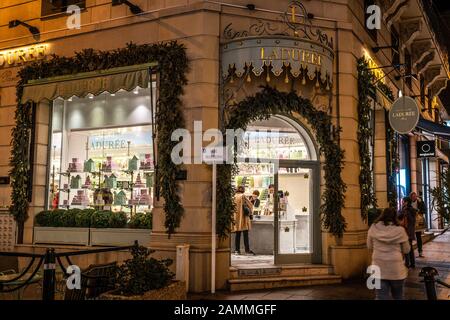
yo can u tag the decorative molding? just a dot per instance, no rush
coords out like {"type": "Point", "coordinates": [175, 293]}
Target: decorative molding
{"type": "Point", "coordinates": [425, 63]}
{"type": "Point", "coordinates": [290, 26]}
{"type": "Point", "coordinates": [419, 50]}
{"type": "Point", "coordinates": [438, 85]}
{"type": "Point", "coordinates": [7, 231]}
{"type": "Point", "coordinates": [395, 12]}
{"type": "Point", "coordinates": [432, 74]}
{"type": "Point", "coordinates": [409, 31]}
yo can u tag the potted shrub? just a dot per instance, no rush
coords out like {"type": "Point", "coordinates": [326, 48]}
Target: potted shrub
{"type": "Point", "coordinates": [145, 278]}
{"type": "Point", "coordinates": [61, 227]}
{"type": "Point", "coordinates": [110, 229]}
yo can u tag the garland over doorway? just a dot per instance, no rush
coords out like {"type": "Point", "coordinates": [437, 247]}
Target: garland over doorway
{"type": "Point", "coordinates": [172, 68]}
{"type": "Point", "coordinates": [268, 102]}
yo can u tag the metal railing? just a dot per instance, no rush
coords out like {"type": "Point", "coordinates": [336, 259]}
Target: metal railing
{"type": "Point", "coordinates": [430, 279]}
{"type": "Point", "coordinates": [48, 260]}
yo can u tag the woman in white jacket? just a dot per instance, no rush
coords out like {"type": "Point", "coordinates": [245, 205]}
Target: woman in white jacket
{"type": "Point", "coordinates": [389, 243]}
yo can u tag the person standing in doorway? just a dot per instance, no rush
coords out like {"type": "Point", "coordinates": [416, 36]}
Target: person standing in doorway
{"type": "Point", "coordinates": [407, 217]}
{"type": "Point", "coordinates": [388, 242]}
{"type": "Point", "coordinates": [241, 224]}
{"type": "Point", "coordinates": [419, 206]}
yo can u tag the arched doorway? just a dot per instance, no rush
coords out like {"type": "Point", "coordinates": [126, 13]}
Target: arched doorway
{"type": "Point", "coordinates": [278, 164]}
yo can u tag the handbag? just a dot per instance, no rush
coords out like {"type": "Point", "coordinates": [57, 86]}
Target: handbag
{"type": "Point", "coordinates": [245, 209]}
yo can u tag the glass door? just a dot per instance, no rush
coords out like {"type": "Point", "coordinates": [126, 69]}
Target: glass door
{"type": "Point", "coordinates": [296, 213]}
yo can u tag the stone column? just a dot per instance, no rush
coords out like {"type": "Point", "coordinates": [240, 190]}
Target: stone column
{"type": "Point", "coordinates": [200, 103]}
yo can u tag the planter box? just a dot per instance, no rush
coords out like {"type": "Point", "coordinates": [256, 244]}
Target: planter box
{"type": "Point", "coordinates": [119, 237]}
{"type": "Point", "coordinates": [175, 291]}
{"type": "Point", "coordinates": [54, 235]}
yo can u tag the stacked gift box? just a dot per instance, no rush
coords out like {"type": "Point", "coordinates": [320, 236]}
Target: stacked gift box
{"type": "Point", "coordinates": [107, 165]}
{"type": "Point", "coordinates": [74, 166]}
{"type": "Point", "coordinates": [146, 164]}
{"type": "Point", "coordinates": [80, 199]}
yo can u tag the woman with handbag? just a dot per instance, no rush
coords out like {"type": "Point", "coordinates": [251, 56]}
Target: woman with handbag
{"type": "Point", "coordinates": [241, 222]}
{"type": "Point", "coordinates": [419, 206]}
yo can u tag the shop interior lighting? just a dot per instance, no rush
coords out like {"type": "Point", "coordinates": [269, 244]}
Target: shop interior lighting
{"type": "Point", "coordinates": [90, 96]}
{"type": "Point", "coordinates": [33, 30]}
{"type": "Point", "coordinates": [133, 8]}
{"type": "Point", "coordinates": [136, 90]}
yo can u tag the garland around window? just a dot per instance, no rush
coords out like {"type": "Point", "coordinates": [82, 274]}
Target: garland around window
{"type": "Point", "coordinates": [172, 67]}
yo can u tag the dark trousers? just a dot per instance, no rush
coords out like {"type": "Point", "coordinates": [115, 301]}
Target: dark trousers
{"type": "Point", "coordinates": [238, 241]}
{"type": "Point", "coordinates": [390, 289]}
{"type": "Point", "coordinates": [419, 241]}
{"type": "Point", "coordinates": [410, 260]}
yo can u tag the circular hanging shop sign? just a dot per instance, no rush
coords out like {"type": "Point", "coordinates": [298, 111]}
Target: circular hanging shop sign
{"type": "Point", "coordinates": [404, 115]}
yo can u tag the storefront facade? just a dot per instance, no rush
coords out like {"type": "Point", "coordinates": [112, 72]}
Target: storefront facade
{"type": "Point", "coordinates": [232, 50]}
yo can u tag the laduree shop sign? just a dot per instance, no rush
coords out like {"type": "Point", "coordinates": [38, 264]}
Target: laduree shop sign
{"type": "Point", "coordinates": [301, 55]}
{"type": "Point", "coordinates": [22, 55]}
{"type": "Point", "coordinates": [404, 115]}
{"type": "Point", "coordinates": [292, 48]}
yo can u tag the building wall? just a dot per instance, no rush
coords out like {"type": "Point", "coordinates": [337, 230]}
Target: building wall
{"type": "Point", "coordinates": [199, 25]}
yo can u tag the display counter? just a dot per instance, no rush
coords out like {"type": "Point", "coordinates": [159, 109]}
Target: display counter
{"type": "Point", "coordinates": [261, 236]}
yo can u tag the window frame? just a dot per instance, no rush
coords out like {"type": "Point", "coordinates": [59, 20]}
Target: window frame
{"type": "Point", "coordinates": [46, 11]}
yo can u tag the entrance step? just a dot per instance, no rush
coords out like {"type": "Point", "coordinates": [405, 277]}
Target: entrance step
{"type": "Point", "coordinates": [268, 277]}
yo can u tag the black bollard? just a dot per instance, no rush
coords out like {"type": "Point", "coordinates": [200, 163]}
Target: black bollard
{"type": "Point", "coordinates": [49, 281]}
{"type": "Point", "coordinates": [428, 274]}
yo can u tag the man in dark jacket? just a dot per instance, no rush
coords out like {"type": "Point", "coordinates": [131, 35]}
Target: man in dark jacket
{"type": "Point", "coordinates": [408, 218]}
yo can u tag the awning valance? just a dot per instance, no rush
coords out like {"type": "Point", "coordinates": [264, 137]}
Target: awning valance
{"type": "Point", "coordinates": [434, 128]}
{"type": "Point", "coordinates": [82, 84]}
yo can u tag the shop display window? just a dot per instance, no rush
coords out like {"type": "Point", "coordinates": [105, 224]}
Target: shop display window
{"type": "Point", "coordinates": [101, 153]}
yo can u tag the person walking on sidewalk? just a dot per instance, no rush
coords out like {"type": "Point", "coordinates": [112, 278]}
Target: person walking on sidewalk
{"type": "Point", "coordinates": [419, 206]}
{"type": "Point", "coordinates": [241, 222]}
{"type": "Point", "coordinates": [388, 242]}
{"type": "Point", "coordinates": [407, 217]}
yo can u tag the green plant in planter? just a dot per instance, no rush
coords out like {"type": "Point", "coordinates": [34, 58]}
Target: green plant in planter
{"type": "Point", "coordinates": [141, 220]}
{"type": "Point", "coordinates": [142, 273]}
{"type": "Point", "coordinates": [43, 218]}
{"type": "Point", "coordinates": [83, 218]}
{"type": "Point", "coordinates": [117, 219]}
{"type": "Point", "coordinates": [56, 218]}
{"type": "Point", "coordinates": [100, 219]}
{"type": "Point", "coordinates": [67, 218]}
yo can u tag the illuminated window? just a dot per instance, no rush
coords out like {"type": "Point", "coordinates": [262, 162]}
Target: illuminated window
{"type": "Point", "coordinates": [101, 153]}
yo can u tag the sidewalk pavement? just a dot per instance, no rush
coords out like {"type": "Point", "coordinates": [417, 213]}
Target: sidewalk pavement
{"type": "Point", "coordinates": [437, 255]}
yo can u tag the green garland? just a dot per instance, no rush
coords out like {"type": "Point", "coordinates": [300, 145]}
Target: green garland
{"type": "Point", "coordinates": [172, 65]}
{"type": "Point", "coordinates": [392, 154]}
{"type": "Point", "coordinates": [268, 102]}
{"type": "Point", "coordinates": [366, 88]}
{"type": "Point", "coordinates": [394, 163]}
